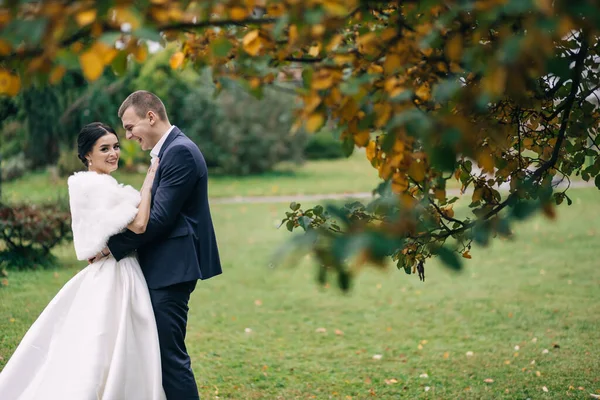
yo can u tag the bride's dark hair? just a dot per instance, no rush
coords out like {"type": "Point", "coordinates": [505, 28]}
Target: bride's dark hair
{"type": "Point", "coordinates": [88, 136]}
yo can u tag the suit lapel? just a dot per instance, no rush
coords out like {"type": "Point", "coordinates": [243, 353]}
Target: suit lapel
{"type": "Point", "coordinates": [174, 133]}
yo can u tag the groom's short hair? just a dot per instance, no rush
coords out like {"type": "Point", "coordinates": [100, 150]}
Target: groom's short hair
{"type": "Point", "coordinates": [143, 101]}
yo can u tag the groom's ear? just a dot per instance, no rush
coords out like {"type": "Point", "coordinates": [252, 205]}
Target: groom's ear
{"type": "Point", "coordinates": [151, 117]}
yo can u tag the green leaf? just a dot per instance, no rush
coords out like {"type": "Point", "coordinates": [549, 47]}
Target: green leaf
{"type": "Point", "coordinates": [445, 90]}
{"type": "Point", "coordinates": [119, 64]}
{"type": "Point", "coordinates": [282, 22]}
{"type": "Point", "coordinates": [304, 222]}
{"type": "Point", "coordinates": [294, 206]}
{"type": "Point", "coordinates": [348, 146]}
{"type": "Point", "coordinates": [221, 47]}
{"type": "Point", "coordinates": [290, 225]}
{"type": "Point", "coordinates": [67, 59]}
{"type": "Point", "coordinates": [307, 74]}
{"type": "Point", "coordinates": [147, 33]}
{"type": "Point", "coordinates": [443, 158]}
{"type": "Point", "coordinates": [450, 258]}
{"type": "Point", "coordinates": [109, 38]}
{"type": "Point", "coordinates": [597, 181]}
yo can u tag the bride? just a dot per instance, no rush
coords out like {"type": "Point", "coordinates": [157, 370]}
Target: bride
{"type": "Point", "coordinates": [97, 338]}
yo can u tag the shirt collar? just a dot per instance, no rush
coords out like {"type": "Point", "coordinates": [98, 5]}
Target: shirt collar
{"type": "Point", "coordinates": [156, 150]}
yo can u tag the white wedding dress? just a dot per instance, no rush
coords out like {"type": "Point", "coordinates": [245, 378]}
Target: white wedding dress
{"type": "Point", "coordinates": [97, 338]}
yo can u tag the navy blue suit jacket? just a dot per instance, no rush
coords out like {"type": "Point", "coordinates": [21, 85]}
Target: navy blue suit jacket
{"type": "Point", "coordinates": [179, 244]}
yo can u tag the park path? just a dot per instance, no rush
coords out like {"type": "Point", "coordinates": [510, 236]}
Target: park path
{"type": "Point", "coordinates": [341, 196]}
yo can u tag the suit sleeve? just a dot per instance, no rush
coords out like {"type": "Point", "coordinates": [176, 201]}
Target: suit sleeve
{"type": "Point", "coordinates": [179, 173]}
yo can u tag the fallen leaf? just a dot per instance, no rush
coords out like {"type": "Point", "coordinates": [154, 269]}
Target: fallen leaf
{"type": "Point", "coordinates": [517, 348]}
{"type": "Point", "coordinates": [339, 332]}
{"type": "Point", "coordinates": [446, 355]}
{"type": "Point", "coordinates": [488, 380]}
{"type": "Point", "coordinates": [545, 389]}
{"type": "Point", "coordinates": [377, 357]}
{"type": "Point", "coordinates": [321, 330]}
{"type": "Point", "coordinates": [391, 381]}
{"type": "Point", "coordinates": [12, 320]}
{"type": "Point", "coordinates": [368, 380]}
{"type": "Point", "coordinates": [424, 376]}
{"type": "Point", "coordinates": [427, 388]}
{"type": "Point", "coordinates": [248, 330]}
{"type": "Point", "coordinates": [469, 354]}
{"type": "Point", "coordinates": [507, 362]}
{"type": "Point", "coordinates": [258, 302]}
{"type": "Point", "coordinates": [534, 340]}
{"type": "Point", "coordinates": [545, 351]}
{"type": "Point", "coordinates": [538, 373]}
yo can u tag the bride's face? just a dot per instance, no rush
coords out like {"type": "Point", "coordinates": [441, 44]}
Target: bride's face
{"type": "Point", "coordinates": [104, 157]}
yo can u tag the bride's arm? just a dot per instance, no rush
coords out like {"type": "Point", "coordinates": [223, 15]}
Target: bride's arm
{"type": "Point", "coordinates": [139, 224]}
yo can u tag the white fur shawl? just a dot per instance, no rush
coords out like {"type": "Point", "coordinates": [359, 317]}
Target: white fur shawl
{"type": "Point", "coordinates": [100, 208]}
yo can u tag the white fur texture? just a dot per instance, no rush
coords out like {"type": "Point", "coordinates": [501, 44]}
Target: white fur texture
{"type": "Point", "coordinates": [100, 208]}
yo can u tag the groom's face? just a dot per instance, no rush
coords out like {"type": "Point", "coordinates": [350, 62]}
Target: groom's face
{"type": "Point", "coordinates": [138, 128]}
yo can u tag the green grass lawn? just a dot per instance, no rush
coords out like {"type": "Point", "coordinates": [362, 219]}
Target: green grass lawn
{"type": "Point", "coordinates": [346, 175]}
{"type": "Point", "coordinates": [259, 332]}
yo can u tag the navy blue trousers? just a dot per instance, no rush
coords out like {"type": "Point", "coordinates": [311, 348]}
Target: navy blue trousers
{"type": "Point", "coordinates": [170, 310]}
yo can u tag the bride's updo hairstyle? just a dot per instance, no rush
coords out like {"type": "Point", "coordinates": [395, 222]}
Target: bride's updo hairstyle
{"type": "Point", "coordinates": [88, 136]}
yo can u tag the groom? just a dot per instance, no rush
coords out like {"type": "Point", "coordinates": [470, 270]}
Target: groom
{"type": "Point", "coordinates": [179, 245]}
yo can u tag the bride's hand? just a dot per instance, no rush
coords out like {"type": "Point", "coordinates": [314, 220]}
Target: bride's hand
{"type": "Point", "coordinates": [150, 175]}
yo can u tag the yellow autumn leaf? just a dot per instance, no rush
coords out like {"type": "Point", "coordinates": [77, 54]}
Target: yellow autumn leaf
{"type": "Point", "coordinates": [440, 195]}
{"type": "Point", "coordinates": [486, 161]}
{"type": "Point", "coordinates": [336, 8]}
{"type": "Point", "coordinates": [311, 102]}
{"type": "Point", "coordinates": [85, 17]}
{"type": "Point", "coordinates": [238, 13]}
{"type": "Point", "coordinates": [495, 82]}
{"type": "Point", "coordinates": [125, 15]}
{"type": "Point", "coordinates": [399, 182]}
{"type": "Point", "coordinates": [371, 150]}
{"type": "Point", "coordinates": [342, 59]}
{"type": "Point", "coordinates": [322, 80]}
{"type": "Point", "coordinates": [392, 63]}
{"type": "Point", "coordinates": [423, 92]}
{"type": "Point", "coordinates": [314, 122]}
{"type": "Point", "coordinates": [4, 48]}
{"type": "Point", "coordinates": [160, 14]}
{"type": "Point", "coordinates": [91, 65]}
{"type": "Point", "coordinates": [477, 195]}
{"type": "Point", "coordinates": [252, 43]}
{"type": "Point", "coordinates": [417, 171]}
{"type": "Point", "coordinates": [292, 34]}
{"type": "Point", "coordinates": [57, 74]}
{"type": "Point", "coordinates": [466, 254]}
{"type": "Point", "coordinates": [314, 50]}
{"type": "Point", "coordinates": [448, 211]}
{"type": "Point", "coordinates": [361, 138]}
{"type": "Point", "coordinates": [383, 112]}
{"type": "Point", "coordinates": [176, 60]}
{"type": "Point", "coordinates": [9, 84]}
{"type": "Point", "coordinates": [334, 42]}
{"type": "Point", "coordinates": [454, 48]}
{"type": "Point", "coordinates": [141, 53]}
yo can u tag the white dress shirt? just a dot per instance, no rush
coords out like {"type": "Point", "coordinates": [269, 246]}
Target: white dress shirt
{"type": "Point", "coordinates": [156, 149]}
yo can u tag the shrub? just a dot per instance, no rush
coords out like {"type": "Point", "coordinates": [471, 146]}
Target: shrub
{"type": "Point", "coordinates": [14, 167]}
{"type": "Point", "coordinates": [241, 135]}
{"type": "Point", "coordinates": [69, 163]}
{"type": "Point", "coordinates": [322, 145]}
{"type": "Point", "coordinates": [29, 232]}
